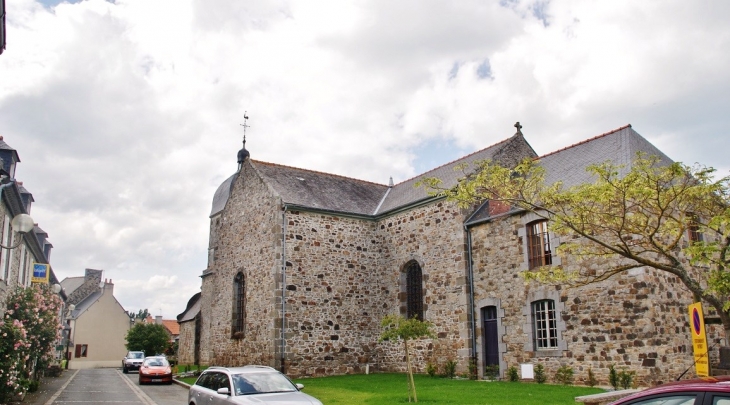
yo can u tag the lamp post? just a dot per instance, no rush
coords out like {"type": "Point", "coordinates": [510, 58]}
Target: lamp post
{"type": "Point", "coordinates": [67, 328]}
{"type": "Point", "coordinates": [21, 223]}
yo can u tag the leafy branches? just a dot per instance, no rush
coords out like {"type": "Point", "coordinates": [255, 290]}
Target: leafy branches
{"type": "Point", "coordinates": [148, 337]}
{"type": "Point", "coordinates": [626, 217]}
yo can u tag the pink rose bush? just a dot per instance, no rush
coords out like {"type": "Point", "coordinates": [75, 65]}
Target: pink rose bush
{"type": "Point", "coordinates": [30, 327]}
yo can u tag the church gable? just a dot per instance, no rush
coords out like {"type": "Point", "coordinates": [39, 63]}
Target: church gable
{"type": "Point", "coordinates": [507, 152]}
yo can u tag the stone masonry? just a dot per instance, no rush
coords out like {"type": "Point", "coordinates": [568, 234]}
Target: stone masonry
{"type": "Point", "coordinates": [318, 283]}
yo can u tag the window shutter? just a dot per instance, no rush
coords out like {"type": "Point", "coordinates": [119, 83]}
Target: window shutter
{"type": "Point", "coordinates": [78, 351]}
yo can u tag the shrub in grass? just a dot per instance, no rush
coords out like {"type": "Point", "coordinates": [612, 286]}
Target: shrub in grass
{"type": "Point", "coordinates": [450, 369]}
{"type": "Point", "coordinates": [431, 369]}
{"type": "Point", "coordinates": [473, 369]}
{"type": "Point", "coordinates": [613, 376]}
{"type": "Point", "coordinates": [564, 375]}
{"type": "Point", "coordinates": [540, 376]}
{"type": "Point", "coordinates": [491, 372]}
{"type": "Point", "coordinates": [626, 378]}
{"type": "Point", "coordinates": [591, 381]}
{"type": "Point", "coordinates": [513, 375]}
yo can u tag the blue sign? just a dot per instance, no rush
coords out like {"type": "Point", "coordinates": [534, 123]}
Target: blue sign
{"type": "Point", "coordinates": [41, 273]}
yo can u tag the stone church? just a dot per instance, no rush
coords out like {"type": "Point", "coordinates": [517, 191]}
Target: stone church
{"type": "Point", "coordinates": [303, 266]}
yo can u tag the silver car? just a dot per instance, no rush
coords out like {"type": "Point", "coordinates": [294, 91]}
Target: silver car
{"type": "Point", "coordinates": [247, 385]}
{"type": "Point", "coordinates": [132, 361]}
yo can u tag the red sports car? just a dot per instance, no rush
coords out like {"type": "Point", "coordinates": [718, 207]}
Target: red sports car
{"type": "Point", "coordinates": [155, 369]}
{"type": "Point", "coordinates": [698, 391]}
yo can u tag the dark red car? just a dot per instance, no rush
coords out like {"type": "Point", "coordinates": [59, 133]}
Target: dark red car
{"type": "Point", "coordinates": [698, 391]}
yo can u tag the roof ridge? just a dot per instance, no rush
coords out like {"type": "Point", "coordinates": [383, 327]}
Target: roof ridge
{"type": "Point", "coordinates": [586, 141]}
{"type": "Point", "coordinates": [456, 160]}
{"type": "Point", "coordinates": [318, 172]}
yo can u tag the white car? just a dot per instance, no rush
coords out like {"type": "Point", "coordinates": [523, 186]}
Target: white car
{"type": "Point", "coordinates": [132, 361]}
{"type": "Point", "coordinates": [247, 385]}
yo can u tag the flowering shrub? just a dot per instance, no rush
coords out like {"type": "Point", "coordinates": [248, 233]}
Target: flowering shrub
{"type": "Point", "coordinates": [28, 331]}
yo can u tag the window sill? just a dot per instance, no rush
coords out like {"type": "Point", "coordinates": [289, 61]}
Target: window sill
{"type": "Point", "coordinates": [548, 353]}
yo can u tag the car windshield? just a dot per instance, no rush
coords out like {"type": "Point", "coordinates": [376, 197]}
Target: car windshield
{"type": "Point", "coordinates": [135, 355]}
{"type": "Point", "coordinates": [156, 362]}
{"type": "Point", "coordinates": [261, 383]}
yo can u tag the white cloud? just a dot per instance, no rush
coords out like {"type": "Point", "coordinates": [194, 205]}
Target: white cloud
{"type": "Point", "coordinates": [126, 114]}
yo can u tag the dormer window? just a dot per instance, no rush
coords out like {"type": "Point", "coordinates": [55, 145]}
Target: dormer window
{"type": "Point", "coordinates": [538, 244]}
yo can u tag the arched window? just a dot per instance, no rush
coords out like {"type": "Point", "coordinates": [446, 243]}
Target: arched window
{"type": "Point", "coordinates": [239, 305]}
{"type": "Point", "coordinates": [414, 291]}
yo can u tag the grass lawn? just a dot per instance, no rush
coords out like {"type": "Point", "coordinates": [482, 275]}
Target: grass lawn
{"type": "Point", "coordinates": [377, 389]}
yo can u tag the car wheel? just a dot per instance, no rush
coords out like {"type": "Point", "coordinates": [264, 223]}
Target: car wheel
{"type": "Point", "coordinates": [124, 370]}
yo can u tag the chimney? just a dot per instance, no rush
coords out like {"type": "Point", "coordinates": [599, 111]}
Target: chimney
{"type": "Point", "coordinates": [158, 319]}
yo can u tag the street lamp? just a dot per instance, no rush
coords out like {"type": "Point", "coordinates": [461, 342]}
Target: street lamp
{"type": "Point", "coordinates": [67, 329]}
{"type": "Point", "coordinates": [21, 223]}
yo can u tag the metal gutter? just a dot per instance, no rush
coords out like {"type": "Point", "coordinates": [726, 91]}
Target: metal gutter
{"type": "Point", "coordinates": [472, 311]}
{"type": "Point", "coordinates": [283, 289]}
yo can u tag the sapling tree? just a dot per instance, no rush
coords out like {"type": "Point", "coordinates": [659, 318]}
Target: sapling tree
{"type": "Point", "coordinates": [399, 328]}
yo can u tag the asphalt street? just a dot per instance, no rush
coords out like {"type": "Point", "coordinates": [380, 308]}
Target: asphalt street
{"type": "Point", "coordinates": [104, 386]}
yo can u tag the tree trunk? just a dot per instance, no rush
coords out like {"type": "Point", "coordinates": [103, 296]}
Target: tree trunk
{"type": "Point", "coordinates": [411, 382]}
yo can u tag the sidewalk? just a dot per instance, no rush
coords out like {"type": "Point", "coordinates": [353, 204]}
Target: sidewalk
{"type": "Point", "coordinates": [48, 387]}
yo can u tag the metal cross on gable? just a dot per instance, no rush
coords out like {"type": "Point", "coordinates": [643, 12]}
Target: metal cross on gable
{"type": "Point", "coordinates": [518, 126]}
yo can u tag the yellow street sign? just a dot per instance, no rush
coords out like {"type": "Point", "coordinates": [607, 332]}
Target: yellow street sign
{"type": "Point", "coordinates": [699, 340]}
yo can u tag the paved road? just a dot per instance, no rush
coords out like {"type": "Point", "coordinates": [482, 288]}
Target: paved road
{"type": "Point", "coordinates": [104, 386]}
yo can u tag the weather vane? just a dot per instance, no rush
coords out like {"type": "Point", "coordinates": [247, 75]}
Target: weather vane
{"type": "Point", "coordinates": [245, 125]}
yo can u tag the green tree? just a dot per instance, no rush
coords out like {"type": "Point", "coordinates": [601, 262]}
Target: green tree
{"type": "Point", "coordinates": [627, 218]}
{"type": "Point", "coordinates": [399, 328]}
{"type": "Point", "coordinates": [150, 338]}
{"type": "Point", "coordinates": [141, 314]}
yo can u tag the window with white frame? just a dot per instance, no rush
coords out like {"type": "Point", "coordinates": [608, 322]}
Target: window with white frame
{"type": "Point", "coordinates": [544, 325]}
{"type": "Point", "coordinates": [4, 253]}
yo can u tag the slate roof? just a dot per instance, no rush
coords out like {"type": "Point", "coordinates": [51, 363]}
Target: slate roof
{"type": "Point", "coordinates": [317, 190]}
{"type": "Point", "coordinates": [406, 193]}
{"type": "Point", "coordinates": [328, 192]}
{"type": "Point", "coordinates": [619, 146]}
{"type": "Point", "coordinates": [569, 164]}
{"type": "Point", "coordinates": [192, 310]}
{"type": "Point", "coordinates": [86, 303]}
{"type": "Point", "coordinates": [221, 195]}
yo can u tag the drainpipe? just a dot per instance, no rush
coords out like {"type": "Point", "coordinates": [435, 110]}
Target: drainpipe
{"type": "Point", "coordinates": [283, 288]}
{"type": "Point", "coordinates": [471, 296]}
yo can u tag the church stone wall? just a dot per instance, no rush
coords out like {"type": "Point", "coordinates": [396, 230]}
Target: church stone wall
{"type": "Point", "coordinates": [432, 235]}
{"type": "Point", "coordinates": [637, 321]}
{"type": "Point", "coordinates": [334, 294]}
{"type": "Point", "coordinates": [186, 343]}
{"type": "Point", "coordinates": [245, 237]}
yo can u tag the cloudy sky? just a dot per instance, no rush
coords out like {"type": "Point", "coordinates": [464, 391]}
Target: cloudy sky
{"type": "Point", "coordinates": [126, 114]}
